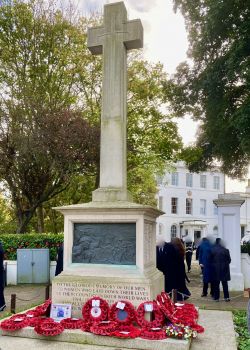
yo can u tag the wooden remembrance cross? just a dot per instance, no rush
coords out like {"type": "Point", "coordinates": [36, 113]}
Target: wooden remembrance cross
{"type": "Point", "coordinates": [113, 40]}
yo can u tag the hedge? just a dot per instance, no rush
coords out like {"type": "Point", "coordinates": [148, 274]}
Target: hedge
{"type": "Point", "coordinates": [12, 242]}
{"type": "Point", "coordinates": [245, 248]}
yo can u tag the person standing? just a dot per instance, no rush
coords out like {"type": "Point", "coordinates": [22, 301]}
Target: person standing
{"type": "Point", "coordinates": [59, 260]}
{"type": "Point", "coordinates": [205, 264]}
{"type": "Point", "coordinates": [189, 247]}
{"type": "Point", "coordinates": [178, 265]}
{"type": "Point", "coordinates": [165, 255]}
{"type": "Point", "coordinates": [220, 260]}
{"type": "Point", "coordinates": [2, 300]}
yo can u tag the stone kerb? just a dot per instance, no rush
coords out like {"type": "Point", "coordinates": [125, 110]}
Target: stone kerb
{"type": "Point", "coordinates": [79, 337]}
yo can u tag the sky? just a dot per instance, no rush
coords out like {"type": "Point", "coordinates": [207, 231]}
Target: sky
{"type": "Point", "coordinates": [165, 41]}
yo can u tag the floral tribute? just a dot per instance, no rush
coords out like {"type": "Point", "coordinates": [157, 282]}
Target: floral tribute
{"type": "Point", "coordinates": [180, 332]}
{"type": "Point", "coordinates": [122, 312]}
{"type": "Point", "coordinates": [95, 310]}
{"type": "Point", "coordinates": [104, 328]}
{"type": "Point", "coordinates": [124, 331]}
{"type": "Point", "coordinates": [156, 313]}
{"type": "Point", "coordinates": [72, 323]}
{"type": "Point", "coordinates": [120, 320]}
{"type": "Point", "coordinates": [49, 328]}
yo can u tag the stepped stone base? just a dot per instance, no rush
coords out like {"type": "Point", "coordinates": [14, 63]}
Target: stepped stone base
{"type": "Point", "coordinates": [96, 342]}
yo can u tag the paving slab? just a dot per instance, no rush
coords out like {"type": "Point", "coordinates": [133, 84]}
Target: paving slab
{"type": "Point", "coordinates": [219, 331]}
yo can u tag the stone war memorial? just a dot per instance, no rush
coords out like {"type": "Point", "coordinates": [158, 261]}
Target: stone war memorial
{"type": "Point", "coordinates": [109, 243]}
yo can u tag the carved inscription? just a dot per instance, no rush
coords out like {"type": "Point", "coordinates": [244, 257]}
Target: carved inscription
{"type": "Point", "coordinates": [77, 293]}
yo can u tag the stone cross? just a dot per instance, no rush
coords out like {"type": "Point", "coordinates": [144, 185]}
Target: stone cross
{"type": "Point", "coordinates": [113, 40]}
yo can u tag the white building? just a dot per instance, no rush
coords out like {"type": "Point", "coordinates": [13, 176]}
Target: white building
{"type": "Point", "coordinates": [245, 210]}
{"type": "Point", "coordinates": [187, 200]}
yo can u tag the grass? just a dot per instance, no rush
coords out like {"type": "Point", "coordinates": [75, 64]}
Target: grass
{"type": "Point", "coordinates": [240, 324]}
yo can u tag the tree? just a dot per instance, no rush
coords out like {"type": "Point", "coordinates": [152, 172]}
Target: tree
{"type": "Point", "coordinates": [214, 87]}
{"type": "Point", "coordinates": [37, 163]}
{"type": "Point", "coordinates": [42, 141]}
{"type": "Point", "coordinates": [50, 112]}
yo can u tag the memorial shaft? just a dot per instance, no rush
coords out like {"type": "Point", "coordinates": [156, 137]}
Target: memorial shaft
{"type": "Point", "coordinates": [113, 39]}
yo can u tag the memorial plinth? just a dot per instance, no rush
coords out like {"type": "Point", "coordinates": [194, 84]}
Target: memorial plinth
{"type": "Point", "coordinates": [138, 280]}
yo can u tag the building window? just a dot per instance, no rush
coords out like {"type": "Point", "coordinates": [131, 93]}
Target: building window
{"type": "Point", "coordinates": [203, 181]}
{"type": "Point", "coordinates": [173, 231]}
{"type": "Point", "coordinates": [189, 205]}
{"type": "Point", "coordinates": [174, 205]}
{"type": "Point", "coordinates": [203, 205]}
{"type": "Point", "coordinates": [215, 210]}
{"type": "Point", "coordinates": [174, 179]}
{"type": "Point", "coordinates": [189, 180]}
{"type": "Point", "coordinates": [216, 182]}
{"type": "Point", "coordinates": [160, 203]}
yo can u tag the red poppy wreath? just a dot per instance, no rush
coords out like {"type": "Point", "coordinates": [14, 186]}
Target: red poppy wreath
{"type": "Point", "coordinates": [72, 323]}
{"type": "Point", "coordinates": [152, 307]}
{"type": "Point", "coordinates": [104, 328]}
{"type": "Point", "coordinates": [153, 333]}
{"type": "Point", "coordinates": [49, 328]}
{"type": "Point", "coordinates": [11, 325]}
{"type": "Point", "coordinates": [122, 312]}
{"type": "Point", "coordinates": [95, 310]}
{"type": "Point", "coordinates": [127, 332]}
{"type": "Point", "coordinates": [43, 309]}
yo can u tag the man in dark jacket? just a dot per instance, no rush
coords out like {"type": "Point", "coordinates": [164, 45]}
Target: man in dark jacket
{"type": "Point", "coordinates": [220, 260]}
{"type": "Point", "coordinates": [59, 260]}
{"type": "Point", "coordinates": [165, 256]}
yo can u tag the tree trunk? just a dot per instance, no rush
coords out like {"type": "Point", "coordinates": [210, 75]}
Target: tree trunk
{"type": "Point", "coordinates": [40, 219]}
{"type": "Point", "coordinates": [23, 218]}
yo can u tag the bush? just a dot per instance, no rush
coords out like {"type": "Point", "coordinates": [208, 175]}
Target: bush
{"type": "Point", "coordinates": [12, 242]}
{"type": "Point", "coordinates": [240, 325]}
{"type": "Point", "coordinates": [245, 248]}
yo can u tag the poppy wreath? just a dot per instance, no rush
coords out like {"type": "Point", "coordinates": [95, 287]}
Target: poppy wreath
{"type": "Point", "coordinates": [18, 317]}
{"type": "Point", "coordinates": [166, 306]}
{"type": "Point", "coordinates": [42, 309]}
{"type": "Point", "coordinates": [127, 332]}
{"type": "Point", "coordinates": [11, 325]}
{"type": "Point", "coordinates": [95, 310]}
{"type": "Point", "coordinates": [187, 315]}
{"type": "Point", "coordinates": [153, 334]}
{"type": "Point", "coordinates": [34, 321]}
{"type": "Point", "coordinates": [159, 317]}
{"type": "Point", "coordinates": [104, 328]}
{"type": "Point", "coordinates": [72, 323]}
{"type": "Point", "coordinates": [129, 310]}
{"type": "Point", "coordinates": [85, 327]}
{"type": "Point", "coordinates": [180, 332]}
{"type": "Point", "coordinates": [49, 328]}
{"type": "Point", "coordinates": [32, 313]}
